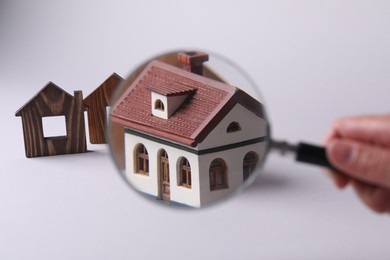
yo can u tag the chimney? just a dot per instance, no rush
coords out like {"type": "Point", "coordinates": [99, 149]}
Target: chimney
{"type": "Point", "coordinates": [193, 61]}
{"type": "Point", "coordinates": [78, 140]}
{"type": "Point", "coordinates": [78, 98]}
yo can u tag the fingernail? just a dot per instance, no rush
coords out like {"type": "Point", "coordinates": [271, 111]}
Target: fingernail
{"type": "Point", "coordinates": [342, 152]}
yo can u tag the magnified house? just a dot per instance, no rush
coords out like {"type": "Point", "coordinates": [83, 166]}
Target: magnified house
{"type": "Point", "coordinates": [188, 139]}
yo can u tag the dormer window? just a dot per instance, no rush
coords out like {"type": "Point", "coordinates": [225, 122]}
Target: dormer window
{"type": "Point", "coordinates": [165, 100]}
{"type": "Point", "coordinates": [159, 105]}
{"type": "Point", "coordinates": [233, 127]}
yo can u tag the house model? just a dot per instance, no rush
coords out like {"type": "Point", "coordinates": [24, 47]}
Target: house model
{"type": "Point", "coordinates": [50, 103]}
{"type": "Point", "coordinates": [97, 103]}
{"type": "Point", "coordinates": [188, 139]}
{"type": "Point", "coordinates": [53, 103]}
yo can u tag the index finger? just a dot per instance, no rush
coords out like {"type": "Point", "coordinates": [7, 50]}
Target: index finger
{"type": "Point", "coordinates": [372, 129]}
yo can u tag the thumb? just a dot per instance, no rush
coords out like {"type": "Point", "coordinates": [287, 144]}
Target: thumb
{"type": "Point", "coordinates": [364, 162]}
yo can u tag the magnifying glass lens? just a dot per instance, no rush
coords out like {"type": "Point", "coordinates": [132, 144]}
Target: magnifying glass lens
{"type": "Point", "coordinates": [188, 128]}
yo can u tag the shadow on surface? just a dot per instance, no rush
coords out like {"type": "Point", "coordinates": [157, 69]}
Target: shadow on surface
{"type": "Point", "coordinates": [268, 181]}
{"type": "Point", "coordinates": [93, 154]}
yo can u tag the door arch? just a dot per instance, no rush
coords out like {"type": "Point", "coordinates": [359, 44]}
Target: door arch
{"type": "Point", "coordinates": [164, 180]}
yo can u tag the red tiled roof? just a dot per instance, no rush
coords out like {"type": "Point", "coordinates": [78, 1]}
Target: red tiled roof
{"type": "Point", "coordinates": [169, 86]}
{"type": "Point", "coordinates": [207, 104]}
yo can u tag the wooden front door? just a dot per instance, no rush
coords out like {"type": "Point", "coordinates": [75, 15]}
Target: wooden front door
{"type": "Point", "coordinates": [165, 189]}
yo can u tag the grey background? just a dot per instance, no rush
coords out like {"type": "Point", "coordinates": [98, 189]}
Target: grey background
{"type": "Point", "coordinates": [313, 60]}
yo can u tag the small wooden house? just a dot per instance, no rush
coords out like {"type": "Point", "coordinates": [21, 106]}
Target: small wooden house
{"type": "Point", "coordinates": [97, 103]}
{"type": "Point", "coordinates": [52, 101]}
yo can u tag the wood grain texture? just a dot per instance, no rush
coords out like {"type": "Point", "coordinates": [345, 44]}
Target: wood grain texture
{"type": "Point", "coordinates": [96, 103]}
{"type": "Point", "coordinates": [53, 101]}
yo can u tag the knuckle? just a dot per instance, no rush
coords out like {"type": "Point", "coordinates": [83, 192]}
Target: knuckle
{"type": "Point", "coordinates": [336, 125]}
{"type": "Point", "coordinates": [373, 164]}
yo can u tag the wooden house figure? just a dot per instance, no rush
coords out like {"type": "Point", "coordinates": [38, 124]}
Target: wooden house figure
{"type": "Point", "coordinates": [49, 103]}
{"type": "Point", "coordinates": [188, 139]}
{"type": "Point", "coordinates": [97, 103]}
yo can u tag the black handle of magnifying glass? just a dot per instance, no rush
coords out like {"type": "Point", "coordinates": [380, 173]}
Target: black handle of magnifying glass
{"type": "Point", "coordinates": [304, 152]}
{"type": "Point", "coordinates": [313, 154]}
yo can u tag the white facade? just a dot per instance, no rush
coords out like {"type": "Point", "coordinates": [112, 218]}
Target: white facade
{"type": "Point", "coordinates": [234, 159]}
{"type": "Point", "coordinates": [149, 184]}
{"type": "Point", "coordinates": [251, 125]}
{"type": "Point", "coordinates": [227, 146]}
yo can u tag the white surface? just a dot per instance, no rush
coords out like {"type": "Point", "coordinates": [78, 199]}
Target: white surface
{"type": "Point", "coordinates": [314, 61]}
{"type": "Point", "coordinates": [54, 126]}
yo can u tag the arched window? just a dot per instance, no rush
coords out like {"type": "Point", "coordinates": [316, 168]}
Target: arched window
{"type": "Point", "coordinates": [218, 175]}
{"type": "Point", "coordinates": [141, 160]}
{"type": "Point", "coordinates": [233, 127]}
{"type": "Point", "coordinates": [159, 105]}
{"type": "Point", "coordinates": [250, 161]}
{"type": "Point", "coordinates": [184, 173]}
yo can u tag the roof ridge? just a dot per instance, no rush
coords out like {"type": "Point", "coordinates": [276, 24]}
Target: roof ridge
{"type": "Point", "coordinates": [113, 75]}
{"type": "Point", "coordinates": [49, 84]}
{"type": "Point", "coordinates": [193, 76]}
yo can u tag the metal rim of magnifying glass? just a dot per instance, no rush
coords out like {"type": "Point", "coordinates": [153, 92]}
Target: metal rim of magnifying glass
{"type": "Point", "coordinates": [262, 159]}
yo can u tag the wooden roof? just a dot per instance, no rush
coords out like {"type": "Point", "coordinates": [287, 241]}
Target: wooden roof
{"type": "Point", "coordinates": [102, 94]}
{"type": "Point", "coordinates": [51, 93]}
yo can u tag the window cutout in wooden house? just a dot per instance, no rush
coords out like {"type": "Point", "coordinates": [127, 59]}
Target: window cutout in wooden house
{"type": "Point", "coordinates": [54, 126]}
{"type": "Point", "coordinates": [218, 175]}
{"type": "Point", "coordinates": [184, 173]}
{"type": "Point", "coordinates": [141, 160]}
{"type": "Point", "coordinates": [159, 105]}
{"type": "Point", "coordinates": [233, 127]}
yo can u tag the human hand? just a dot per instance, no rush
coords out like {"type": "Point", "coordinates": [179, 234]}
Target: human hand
{"type": "Point", "coordinates": [360, 147]}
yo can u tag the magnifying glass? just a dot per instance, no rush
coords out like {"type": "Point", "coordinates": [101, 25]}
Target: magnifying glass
{"type": "Point", "coordinates": [189, 129]}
